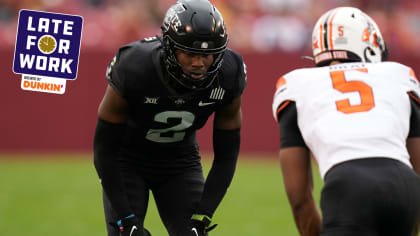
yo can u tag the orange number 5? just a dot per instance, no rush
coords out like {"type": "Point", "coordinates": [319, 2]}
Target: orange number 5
{"type": "Point", "coordinates": [365, 91]}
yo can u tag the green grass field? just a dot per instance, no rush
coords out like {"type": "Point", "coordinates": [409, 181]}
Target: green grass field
{"type": "Point", "coordinates": [61, 195]}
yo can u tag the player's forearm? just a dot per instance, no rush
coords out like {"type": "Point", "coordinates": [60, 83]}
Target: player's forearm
{"type": "Point", "coordinates": [226, 149]}
{"type": "Point", "coordinates": [106, 147]}
{"type": "Point", "coordinates": [217, 183]}
{"type": "Point", "coordinates": [307, 218]}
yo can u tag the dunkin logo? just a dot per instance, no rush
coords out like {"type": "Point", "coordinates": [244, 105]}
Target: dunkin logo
{"type": "Point", "coordinates": [43, 84]}
{"type": "Point", "coordinates": [47, 50]}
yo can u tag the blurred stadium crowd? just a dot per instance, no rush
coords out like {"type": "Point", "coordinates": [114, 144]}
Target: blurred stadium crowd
{"type": "Point", "coordinates": [253, 25]}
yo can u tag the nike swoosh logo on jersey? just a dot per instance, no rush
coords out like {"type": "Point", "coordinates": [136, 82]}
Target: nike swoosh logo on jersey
{"type": "Point", "coordinates": [195, 231]}
{"type": "Point", "coordinates": [201, 103]}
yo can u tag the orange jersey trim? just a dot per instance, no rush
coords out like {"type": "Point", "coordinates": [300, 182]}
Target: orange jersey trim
{"type": "Point", "coordinates": [414, 97]}
{"type": "Point", "coordinates": [281, 107]}
{"type": "Point", "coordinates": [412, 74]}
{"type": "Point", "coordinates": [280, 82]}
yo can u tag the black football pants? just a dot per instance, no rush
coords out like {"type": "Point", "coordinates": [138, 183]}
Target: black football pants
{"type": "Point", "coordinates": [176, 193]}
{"type": "Point", "coordinates": [370, 197]}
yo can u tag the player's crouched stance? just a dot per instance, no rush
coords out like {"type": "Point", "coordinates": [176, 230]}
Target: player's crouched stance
{"type": "Point", "coordinates": [161, 90]}
{"type": "Point", "coordinates": [360, 118]}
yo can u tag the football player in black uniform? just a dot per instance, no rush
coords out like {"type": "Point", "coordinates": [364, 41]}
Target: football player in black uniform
{"type": "Point", "coordinates": [161, 90]}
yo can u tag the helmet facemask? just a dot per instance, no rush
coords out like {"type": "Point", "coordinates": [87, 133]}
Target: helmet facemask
{"type": "Point", "coordinates": [196, 27]}
{"type": "Point", "coordinates": [176, 72]}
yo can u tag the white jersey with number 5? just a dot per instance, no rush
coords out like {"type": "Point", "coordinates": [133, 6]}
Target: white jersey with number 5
{"type": "Point", "coordinates": [352, 110]}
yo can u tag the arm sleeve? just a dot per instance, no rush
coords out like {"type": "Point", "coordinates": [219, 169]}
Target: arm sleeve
{"type": "Point", "coordinates": [226, 149]}
{"type": "Point", "coordinates": [106, 148]}
{"type": "Point", "coordinates": [415, 118]}
{"type": "Point", "coordinates": [290, 135]}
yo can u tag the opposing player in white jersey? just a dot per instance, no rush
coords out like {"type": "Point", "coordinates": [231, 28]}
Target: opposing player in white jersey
{"type": "Point", "coordinates": [360, 118]}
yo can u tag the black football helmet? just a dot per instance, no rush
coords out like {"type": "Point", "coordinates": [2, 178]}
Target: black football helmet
{"type": "Point", "coordinates": [195, 26]}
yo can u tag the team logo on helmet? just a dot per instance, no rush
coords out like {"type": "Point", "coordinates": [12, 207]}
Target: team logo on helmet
{"type": "Point", "coordinates": [347, 34]}
{"type": "Point", "coordinates": [171, 17]}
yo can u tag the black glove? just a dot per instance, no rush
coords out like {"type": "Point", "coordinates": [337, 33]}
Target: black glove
{"type": "Point", "coordinates": [130, 226]}
{"type": "Point", "coordinates": [200, 225]}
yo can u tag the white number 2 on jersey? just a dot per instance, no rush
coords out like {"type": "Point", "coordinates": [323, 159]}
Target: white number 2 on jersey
{"type": "Point", "coordinates": [187, 119]}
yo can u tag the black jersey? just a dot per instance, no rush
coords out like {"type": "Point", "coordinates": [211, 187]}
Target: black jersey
{"type": "Point", "coordinates": [160, 122]}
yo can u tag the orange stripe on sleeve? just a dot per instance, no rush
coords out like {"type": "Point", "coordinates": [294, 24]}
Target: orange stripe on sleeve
{"type": "Point", "coordinates": [412, 95]}
{"type": "Point", "coordinates": [282, 106]}
{"type": "Point", "coordinates": [280, 82]}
